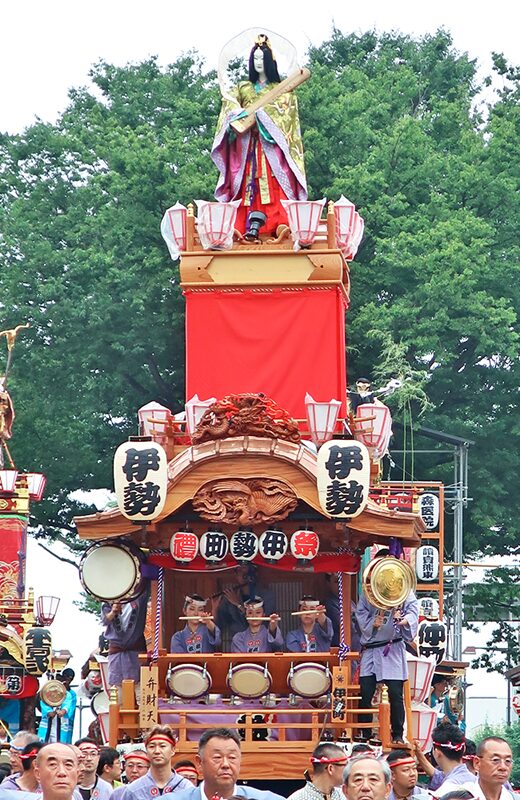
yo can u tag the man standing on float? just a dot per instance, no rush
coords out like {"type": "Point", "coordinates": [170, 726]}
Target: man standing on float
{"type": "Point", "coordinates": [383, 656]}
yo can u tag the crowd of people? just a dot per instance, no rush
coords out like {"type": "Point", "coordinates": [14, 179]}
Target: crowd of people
{"type": "Point", "coordinates": [83, 771]}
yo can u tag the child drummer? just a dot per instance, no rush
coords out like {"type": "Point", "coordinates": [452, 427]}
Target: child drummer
{"type": "Point", "coordinates": [258, 637]}
{"type": "Point", "coordinates": [200, 634]}
{"type": "Point", "coordinates": [315, 632]}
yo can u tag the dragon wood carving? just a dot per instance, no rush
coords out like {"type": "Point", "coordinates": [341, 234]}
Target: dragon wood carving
{"type": "Point", "coordinates": [246, 415]}
{"type": "Point", "coordinates": [245, 501]}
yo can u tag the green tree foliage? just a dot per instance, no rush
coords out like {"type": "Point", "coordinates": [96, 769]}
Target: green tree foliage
{"type": "Point", "coordinates": [388, 121]}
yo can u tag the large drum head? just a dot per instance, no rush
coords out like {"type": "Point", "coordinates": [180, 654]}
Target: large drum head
{"type": "Point", "coordinates": [112, 572]}
{"type": "Point", "coordinates": [189, 681]}
{"type": "Point", "coordinates": [100, 703]}
{"type": "Point", "coordinates": [249, 680]}
{"type": "Point", "coordinates": [309, 680]}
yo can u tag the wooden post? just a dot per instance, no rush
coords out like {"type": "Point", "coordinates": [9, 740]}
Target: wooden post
{"type": "Point", "coordinates": [407, 697]}
{"type": "Point", "coordinates": [190, 227]}
{"type": "Point", "coordinates": [384, 719]}
{"type": "Point", "coordinates": [113, 717]}
{"type": "Point", "coordinates": [331, 226]}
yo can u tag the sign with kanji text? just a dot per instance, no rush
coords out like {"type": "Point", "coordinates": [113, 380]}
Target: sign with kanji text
{"type": "Point", "coordinates": [140, 479]}
{"type": "Point", "coordinates": [427, 563]}
{"type": "Point", "coordinates": [149, 705]}
{"type": "Point", "coordinates": [243, 545]}
{"type": "Point", "coordinates": [338, 711]}
{"type": "Point", "coordinates": [184, 546]}
{"type": "Point", "coordinates": [37, 650]}
{"type": "Point", "coordinates": [273, 544]}
{"type": "Point", "coordinates": [432, 637]}
{"type": "Point", "coordinates": [429, 510]}
{"type": "Point", "coordinates": [305, 545]}
{"type": "Point", "coordinates": [214, 545]}
{"type": "Point", "coordinates": [343, 478]}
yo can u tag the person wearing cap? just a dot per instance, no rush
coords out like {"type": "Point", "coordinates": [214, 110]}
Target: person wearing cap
{"type": "Point", "coordinates": [125, 623]}
{"type": "Point", "coordinates": [161, 778]}
{"type": "Point", "coordinates": [219, 760]}
{"type": "Point", "coordinates": [25, 781]}
{"type": "Point", "coordinates": [200, 634]}
{"type": "Point", "coordinates": [90, 785]}
{"type": "Point", "coordinates": [315, 632]}
{"type": "Point", "coordinates": [449, 748]}
{"type": "Point", "coordinates": [16, 748]}
{"type": "Point", "coordinates": [57, 723]}
{"type": "Point", "coordinates": [404, 776]}
{"type": "Point", "coordinates": [328, 762]}
{"type": "Point", "coordinates": [438, 693]}
{"type": "Point", "coordinates": [258, 637]}
{"type": "Point", "coordinates": [188, 770]}
{"type": "Point", "coordinates": [366, 778]}
{"type": "Point", "coordinates": [493, 762]}
{"type": "Point", "coordinates": [136, 764]}
{"type": "Point", "coordinates": [383, 656]}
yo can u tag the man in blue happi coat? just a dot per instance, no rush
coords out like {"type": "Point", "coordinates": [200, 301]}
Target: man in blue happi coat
{"type": "Point", "coordinates": [383, 655]}
{"type": "Point", "coordinates": [200, 634]}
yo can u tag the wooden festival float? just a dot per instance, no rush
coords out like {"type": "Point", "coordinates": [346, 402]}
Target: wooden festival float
{"type": "Point", "coordinates": [25, 641]}
{"type": "Point", "coordinates": [260, 472]}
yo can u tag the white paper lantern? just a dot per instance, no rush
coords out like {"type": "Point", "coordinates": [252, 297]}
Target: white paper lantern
{"type": "Point", "coordinates": [184, 546]}
{"type": "Point", "coordinates": [428, 607]}
{"type": "Point", "coordinates": [427, 563]}
{"type": "Point", "coordinates": [140, 479]}
{"type": "Point", "coordinates": [432, 637]}
{"type": "Point", "coordinates": [305, 545]}
{"type": "Point", "coordinates": [429, 510]}
{"type": "Point", "coordinates": [343, 468]}
{"type": "Point", "coordinates": [214, 546]}
{"type": "Point", "coordinates": [243, 545]}
{"type": "Point", "coordinates": [424, 720]}
{"type": "Point", "coordinates": [420, 674]}
{"type": "Point", "coordinates": [273, 545]}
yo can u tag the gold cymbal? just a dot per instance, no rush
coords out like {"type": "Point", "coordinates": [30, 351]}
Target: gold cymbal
{"type": "Point", "coordinates": [388, 581]}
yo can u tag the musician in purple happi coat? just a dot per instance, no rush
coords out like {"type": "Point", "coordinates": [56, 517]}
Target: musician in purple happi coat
{"type": "Point", "coordinates": [315, 632]}
{"type": "Point", "coordinates": [257, 637]}
{"type": "Point", "coordinates": [125, 624]}
{"type": "Point", "coordinates": [383, 655]}
{"type": "Point", "coordinates": [200, 634]}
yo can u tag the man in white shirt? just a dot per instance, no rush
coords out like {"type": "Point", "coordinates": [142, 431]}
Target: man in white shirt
{"type": "Point", "coordinates": [493, 762]}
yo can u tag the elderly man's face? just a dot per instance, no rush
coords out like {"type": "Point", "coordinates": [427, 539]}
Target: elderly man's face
{"type": "Point", "coordinates": [495, 764]}
{"type": "Point", "coordinates": [366, 781]}
{"type": "Point", "coordinates": [220, 764]}
{"type": "Point", "coordinates": [56, 769]}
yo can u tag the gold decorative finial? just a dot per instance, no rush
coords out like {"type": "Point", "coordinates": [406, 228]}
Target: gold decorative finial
{"type": "Point", "coordinates": [12, 333]}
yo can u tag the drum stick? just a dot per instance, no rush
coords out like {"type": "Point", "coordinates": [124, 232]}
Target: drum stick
{"type": "Point", "coordinates": [299, 613]}
{"type": "Point", "coordinates": [261, 619]}
{"type": "Point", "coordinates": [195, 617]}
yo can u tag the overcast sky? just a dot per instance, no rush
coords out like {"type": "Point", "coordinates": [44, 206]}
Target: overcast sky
{"type": "Point", "coordinates": [48, 46]}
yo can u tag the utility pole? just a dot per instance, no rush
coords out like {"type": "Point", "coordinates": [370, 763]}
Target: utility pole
{"type": "Point", "coordinates": [460, 502]}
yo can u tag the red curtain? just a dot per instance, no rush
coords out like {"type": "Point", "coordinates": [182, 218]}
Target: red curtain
{"type": "Point", "coordinates": [281, 342]}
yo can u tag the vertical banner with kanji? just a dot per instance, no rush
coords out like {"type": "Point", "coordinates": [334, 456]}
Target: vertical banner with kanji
{"type": "Point", "coordinates": [338, 712]}
{"type": "Point", "coordinates": [12, 557]}
{"type": "Point", "coordinates": [148, 707]}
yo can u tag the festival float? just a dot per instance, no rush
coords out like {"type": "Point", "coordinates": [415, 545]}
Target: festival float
{"type": "Point", "coordinates": [25, 640]}
{"type": "Point", "coordinates": [269, 480]}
